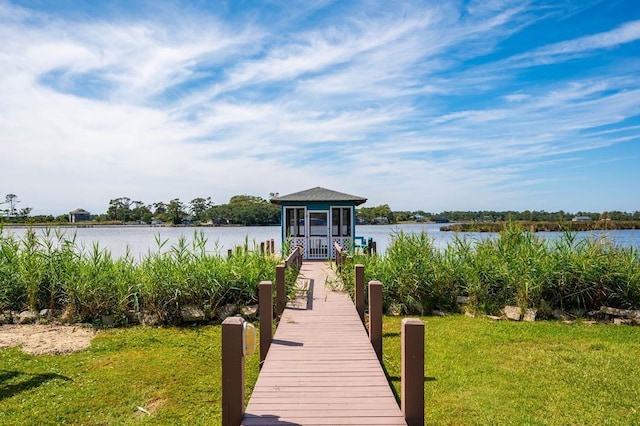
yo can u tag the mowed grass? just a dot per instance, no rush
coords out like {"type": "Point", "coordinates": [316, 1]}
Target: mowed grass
{"type": "Point", "coordinates": [173, 373]}
{"type": "Point", "coordinates": [478, 372]}
{"type": "Point", "coordinates": [482, 372]}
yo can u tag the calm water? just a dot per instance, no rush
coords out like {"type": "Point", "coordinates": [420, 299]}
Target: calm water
{"type": "Point", "coordinates": [139, 240]}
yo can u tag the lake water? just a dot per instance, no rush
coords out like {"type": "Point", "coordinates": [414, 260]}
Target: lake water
{"type": "Point", "coordinates": [139, 240]}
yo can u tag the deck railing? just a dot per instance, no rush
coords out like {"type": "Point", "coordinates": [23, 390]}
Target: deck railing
{"type": "Point", "coordinates": [293, 260]}
{"type": "Point", "coordinates": [341, 255]}
{"type": "Point", "coordinates": [294, 257]}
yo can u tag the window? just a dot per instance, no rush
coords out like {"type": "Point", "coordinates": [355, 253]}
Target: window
{"type": "Point", "coordinates": [341, 221]}
{"type": "Point", "coordinates": [318, 224]}
{"type": "Point", "coordinates": [295, 221]}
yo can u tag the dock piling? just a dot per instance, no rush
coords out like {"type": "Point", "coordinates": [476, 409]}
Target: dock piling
{"type": "Point", "coordinates": [412, 371]}
{"type": "Point", "coordinates": [375, 317]}
{"type": "Point", "coordinates": [232, 371]}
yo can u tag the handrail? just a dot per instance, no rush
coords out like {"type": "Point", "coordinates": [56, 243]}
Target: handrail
{"type": "Point", "coordinates": [341, 255]}
{"type": "Point", "coordinates": [294, 257]}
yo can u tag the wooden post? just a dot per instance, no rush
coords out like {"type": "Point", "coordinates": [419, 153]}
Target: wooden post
{"type": "Point", "coordinates": [229, 253]}
{"type": "Point", "coordinates": [232, 371]}
{"type": "Point", "coordinates": [262, 248]}
{"type": "Point", "coordinates": [412, 377]}
{"type": "Point", "coordinates": [281, 299]}
{"type": "Point", "coordinates": [359, 273]}
{"type": "Point", "coordinates": [265, 307]}
{"type": "Point", "coordinates": [375, 317]}
{"type": "Point", "coordinates": [273, 246]}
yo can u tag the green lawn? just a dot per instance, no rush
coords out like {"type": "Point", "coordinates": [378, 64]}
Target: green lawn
{"type": "Point", "coordinates": [173, 373]}
{"type": "Point", "coordinates": [478, 372]}
{"type": "Point", "coordinates": [483, 372]}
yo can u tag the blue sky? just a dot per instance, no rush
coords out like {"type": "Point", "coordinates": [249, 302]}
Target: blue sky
{"type": "Point", "coordinates": [432, 105]}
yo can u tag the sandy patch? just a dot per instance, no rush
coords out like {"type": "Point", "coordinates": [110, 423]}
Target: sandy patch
{"type": "Point", "coordinates": [40, 339]}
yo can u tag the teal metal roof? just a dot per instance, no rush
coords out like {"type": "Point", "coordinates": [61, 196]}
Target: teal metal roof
{"type": "Point", "coordinates": [318, 194]}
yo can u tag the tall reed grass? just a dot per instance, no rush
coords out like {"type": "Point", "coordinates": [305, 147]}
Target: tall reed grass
{"type": "Point", "coordinates": [51, 271]}
{"type": "Point", "coordinates": [515, 268]}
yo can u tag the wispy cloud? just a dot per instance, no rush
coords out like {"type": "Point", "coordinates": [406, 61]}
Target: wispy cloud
{"type": "Point", "coordinates": [412, 105]}
{"type": "Point", "coordinates": [570, 49]}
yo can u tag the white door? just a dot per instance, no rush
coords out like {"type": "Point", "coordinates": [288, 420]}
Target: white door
{"type": "Point", "coordinates": [318, 234]}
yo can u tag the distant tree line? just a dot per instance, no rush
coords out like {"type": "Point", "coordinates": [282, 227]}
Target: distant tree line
{"type": "Point", "coordinates": [240, 210]}
{"type": "Point", "coordinates": [383, 214]}
{"type": "Point", "coordinates": [253, 210]}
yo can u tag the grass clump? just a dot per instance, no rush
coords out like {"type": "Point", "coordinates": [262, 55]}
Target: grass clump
{"type": "Point", "coordinates": [516, 268]}
{"type": "Point", "coordinates": [51, 271]}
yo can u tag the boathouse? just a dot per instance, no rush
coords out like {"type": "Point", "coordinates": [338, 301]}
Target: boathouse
{"type": "Point", "coordinates": [317, 218]}
{"type": "Point", "coordinates": [79, 215]}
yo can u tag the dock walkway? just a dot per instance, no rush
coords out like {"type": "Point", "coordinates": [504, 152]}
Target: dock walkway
{"type": "Point", "coordinates": [321, 368]}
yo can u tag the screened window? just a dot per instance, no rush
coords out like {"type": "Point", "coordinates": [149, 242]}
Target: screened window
{"type": "Point", "coordinates": [341, 221]}
{"type": "Point", "coordinates": [295, 221]}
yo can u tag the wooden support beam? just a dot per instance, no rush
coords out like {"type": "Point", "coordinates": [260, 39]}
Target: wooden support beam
{"type": "Point", "coordinates": [375, 317]}
{"type": "Point", "coordinates": [232, 371]}
{"type": "Point", "coordinates": [412, 371]}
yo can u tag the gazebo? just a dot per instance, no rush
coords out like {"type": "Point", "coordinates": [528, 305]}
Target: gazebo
{"type": "Point", "coordinates": [316, 218]}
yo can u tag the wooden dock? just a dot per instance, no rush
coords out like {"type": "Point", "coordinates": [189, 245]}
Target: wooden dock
{"type": "Point", "coordinates": [321, 368]}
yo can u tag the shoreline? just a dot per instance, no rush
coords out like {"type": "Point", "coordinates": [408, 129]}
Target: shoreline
{"type": "Point", "coordinates": [566, 226]}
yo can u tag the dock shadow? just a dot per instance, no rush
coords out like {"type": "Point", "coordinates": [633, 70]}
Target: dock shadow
{"type": "Point", "coordinates": [30, 381]}
{"type": "Point", "coordinates": [297, 304]}
{"type": "Point", "coordinates": [391, 379]}
{"type": "Point", "coordinates": [265, 420]}
{"type": "Point", "coordinates": [310, 294]}
{"type": "Point", "coordinates": [286, 342]}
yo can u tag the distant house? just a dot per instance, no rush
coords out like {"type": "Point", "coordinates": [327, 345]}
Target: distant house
{"type": "Point", "coordinates": [439, 219]}
{"type": "Point", "coordinates": [581, 219]}
{"type": "Point", "coordinates": [79, 215]}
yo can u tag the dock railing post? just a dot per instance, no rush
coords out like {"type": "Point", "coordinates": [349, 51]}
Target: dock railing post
{"type": "Point", "coordinates": [412, 371]}
{"type": "Point", "coordinates": [281, 299]}
{"type": "Point", "coordinates": [232, 371]}
{"type": "Point", "coordinates": [359, 277]}
{"type": "Point", "coordinates": [375, 317]}
{"type": "Point", "coordinates": [265, 308]}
